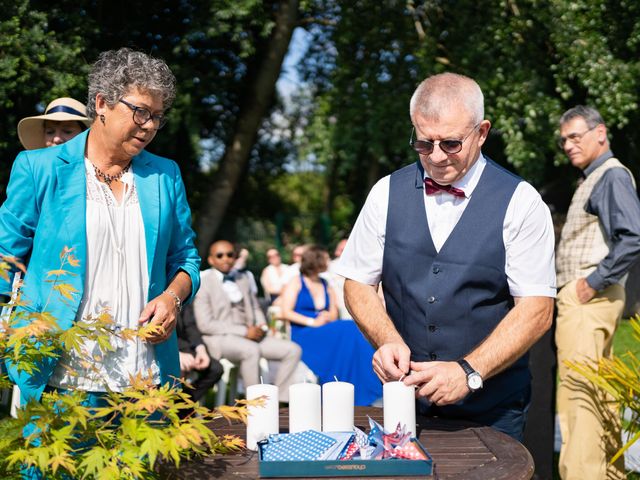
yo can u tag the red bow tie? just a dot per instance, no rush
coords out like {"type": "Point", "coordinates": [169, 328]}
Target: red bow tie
{"type": "Point", "coordinates": [432, 187]}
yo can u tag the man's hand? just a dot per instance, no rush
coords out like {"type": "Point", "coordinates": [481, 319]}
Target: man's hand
{"type": "Point", "coordinates": [162, 311]}
{"type": "Point", "coordinates": [391, 361]}
{"type": "Point", "coordinates": [255, 333]}
{"type": "Point", "coordinates": [202, 359]}
{"type": "Point", "coordinates": [584, 290]}
{"type": "Point", "coordinates": [187, 363]}
{"type": "Point", "coordinates": [442, 383]}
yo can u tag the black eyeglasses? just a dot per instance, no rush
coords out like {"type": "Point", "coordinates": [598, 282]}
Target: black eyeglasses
{"type": "Point", "coordinates": [574, 138]}
{"type": "Point", "coordinates": [228, 254]}
{"type": "Point", "coordinates": [426, 147]}
{"type": "Point", "coordinates": [141, 116]}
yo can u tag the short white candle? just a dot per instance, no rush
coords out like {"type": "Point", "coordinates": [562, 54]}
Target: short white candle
{"type": "Point", "coordinates": [399, 404]}
{"type": "Point", "coordinates": [304, 407]}
{"type": "Point", "coordinates": [262, 420]}
{"type": "Point", "coordinates": [337, 407]}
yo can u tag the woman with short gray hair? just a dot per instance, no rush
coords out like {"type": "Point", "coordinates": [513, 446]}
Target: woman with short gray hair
{"type": "Point", "coordinates": [117, 71]}
{"type": "Point", "coordinates": [123, 214]}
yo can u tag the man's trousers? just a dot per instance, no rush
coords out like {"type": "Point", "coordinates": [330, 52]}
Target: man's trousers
{"type": "Point", "coordinates": [589, 419]}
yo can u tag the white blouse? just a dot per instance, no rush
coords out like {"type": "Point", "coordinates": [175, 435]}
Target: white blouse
{"type": "Point", "coordinates": [276, 276]}
{"type": "Point", "coordinates": [116, 278]}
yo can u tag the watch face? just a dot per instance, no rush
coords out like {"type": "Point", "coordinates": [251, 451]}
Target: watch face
{"type": "Point", "coordinates": [474, 381]}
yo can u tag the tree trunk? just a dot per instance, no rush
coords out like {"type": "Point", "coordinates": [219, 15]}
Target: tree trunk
{"type": "Point", "coordinates": [260, 94]}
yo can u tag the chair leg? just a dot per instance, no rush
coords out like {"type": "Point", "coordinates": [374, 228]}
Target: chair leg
{"type": "Point", "coordinates": [233, 385]}
{"type": "Point", "coordinates": [15, 401]}
{"type": "Point", "coordinates": [308, 375]}
{"type": "Point", "coordinates": [264, 371]}
{"type": "Point", "coordinates": [225, 382]}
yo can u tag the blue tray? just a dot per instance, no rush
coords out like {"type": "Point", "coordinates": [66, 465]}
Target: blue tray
{"type": "Point", "coordinates": [391, 467]}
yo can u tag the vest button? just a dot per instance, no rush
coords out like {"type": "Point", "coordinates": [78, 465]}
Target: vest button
{"type": "Point", "coordinates": [436, 269]}
{"type": "Point", "coordinates": [433, 356]}
{"type": "Point", "coordinates": [432, 328]}
{"type": "Point", "coordinates": [431, 299]}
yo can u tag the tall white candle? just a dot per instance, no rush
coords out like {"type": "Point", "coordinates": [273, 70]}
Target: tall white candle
{"type": "Point", "coordinates": [262, 420]}
{"type": "Point", "coordinates": [337, 407]}
{"type": "Point", "coordinates": [399, 404]}
{"type": "Point", "coordinates": [304, 407]}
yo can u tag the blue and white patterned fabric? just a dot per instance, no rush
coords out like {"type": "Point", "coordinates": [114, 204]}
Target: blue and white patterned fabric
{"type": "Point", "coordinates": [307, 445]}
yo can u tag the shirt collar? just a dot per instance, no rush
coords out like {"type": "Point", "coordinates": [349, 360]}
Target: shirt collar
{"type": "Point", "coordinates": [230, 288]}
{"type": "Point", "coordinates": [219, 275]}
{"type": "Point", "coordinates": [470, 180]}
{"type": "Point", "coordinates": [597, 162]}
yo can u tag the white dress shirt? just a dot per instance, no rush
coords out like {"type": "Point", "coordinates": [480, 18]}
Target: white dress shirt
{"type": "Point", "coordinates": [527, 234]}
{"type": "Point", "coordinates": [230, 287]}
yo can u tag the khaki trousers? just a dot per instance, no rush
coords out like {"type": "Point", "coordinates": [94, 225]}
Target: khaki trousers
{"type": "Point", "coordinates": [589, 419]}
{"type": "Point", "coordinates": [247, 353]}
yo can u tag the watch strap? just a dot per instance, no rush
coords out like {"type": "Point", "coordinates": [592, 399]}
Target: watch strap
{"type": "Point", "coordinates": [468, 369]}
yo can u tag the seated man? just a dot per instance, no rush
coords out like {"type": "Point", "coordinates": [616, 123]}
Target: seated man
{"type": "Point", "coordinates": [194, 356]}
{"type": "Point", "coordinates": [232, 324]}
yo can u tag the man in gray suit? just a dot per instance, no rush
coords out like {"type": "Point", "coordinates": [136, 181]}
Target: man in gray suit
{"type": "Point", "coordinates": [232, 324]}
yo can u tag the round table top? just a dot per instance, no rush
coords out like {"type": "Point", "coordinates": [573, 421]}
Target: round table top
{"type": "Point", "coordinates": [460, 450]}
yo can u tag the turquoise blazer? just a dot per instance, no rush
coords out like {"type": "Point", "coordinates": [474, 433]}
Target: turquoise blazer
{"type": "Point", "coordinates": [45, 211]}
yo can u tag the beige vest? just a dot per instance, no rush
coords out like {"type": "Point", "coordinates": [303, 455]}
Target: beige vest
{"type": "Point", "coordinates": [583, 243]}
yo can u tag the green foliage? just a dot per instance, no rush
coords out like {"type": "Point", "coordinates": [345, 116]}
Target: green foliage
{"type": "Point", "coordinates": [532, 59]}
{"type": "Point", "coordinates": [350, 120]}
{"type": "Point", "coordinates": [624, 341]}
{"type": "Point", "coordinates": [36, 66]}
{"type": "Point", "coordinates": [619, 377]}
{"type": "Point", "coordinates": [127, 437]}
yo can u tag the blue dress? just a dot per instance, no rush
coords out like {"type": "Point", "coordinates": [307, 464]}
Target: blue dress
{"type": "Point", "coordinates": [336, 349]}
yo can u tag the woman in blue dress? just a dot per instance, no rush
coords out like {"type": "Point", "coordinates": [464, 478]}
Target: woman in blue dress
{"type": "Point", "coordinates": [330, 347]}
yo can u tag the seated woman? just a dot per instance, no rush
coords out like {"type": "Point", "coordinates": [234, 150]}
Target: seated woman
{"type": "Point", "coordinates": [273, 275]}
{"type": "Point", "coordinates": [330, 347]}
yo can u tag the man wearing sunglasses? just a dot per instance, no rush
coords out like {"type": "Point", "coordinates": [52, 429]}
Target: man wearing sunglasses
{"type": "Point", "coordinates": [464, 253]}
{"type": "Point", "coordinates": [600, 242]}
{"type": "Point", "coordinates": [232, 323]}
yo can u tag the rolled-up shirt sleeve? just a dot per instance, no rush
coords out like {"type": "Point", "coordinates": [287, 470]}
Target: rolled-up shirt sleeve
{"type": "Point", "coordinates": [361, 259]}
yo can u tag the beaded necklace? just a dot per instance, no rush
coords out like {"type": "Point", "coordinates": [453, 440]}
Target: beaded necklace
{"type": "Point", "coordinates": [108, 179]}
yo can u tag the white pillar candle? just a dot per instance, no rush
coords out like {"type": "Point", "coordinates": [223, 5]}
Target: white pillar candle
{"type": "Point", "coordinates": [262, 420]}
{"type": "Point", "coordinates": [304, 407]}
{"type": "Point", "coordinates": [399, 404]}
{"type": "Point", "coordinates": [337, 407]}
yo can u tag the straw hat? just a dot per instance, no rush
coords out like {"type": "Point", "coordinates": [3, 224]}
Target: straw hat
{"type": "Point", "coordinates": [30, 129]}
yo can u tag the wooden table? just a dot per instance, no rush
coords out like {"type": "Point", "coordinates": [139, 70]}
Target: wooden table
{"type": "Point", "coordinates": [459, 451]}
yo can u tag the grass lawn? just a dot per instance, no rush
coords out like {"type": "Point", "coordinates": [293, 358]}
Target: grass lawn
{"type": "Point", "coordinates": [624, 341]}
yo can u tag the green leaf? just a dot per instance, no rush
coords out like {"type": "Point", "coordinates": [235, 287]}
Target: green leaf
{"type": "Point", "coordinates": [94, 460]}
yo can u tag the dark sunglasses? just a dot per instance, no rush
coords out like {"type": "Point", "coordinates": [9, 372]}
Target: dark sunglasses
{"type": "Point", "coordinates": [426, 147]}
{"type": "Point", "coordinates": [228, 254]}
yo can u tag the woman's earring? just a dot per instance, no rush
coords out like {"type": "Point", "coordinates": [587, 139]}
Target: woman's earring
{"type": "Point", "coordinates": [102, 119]}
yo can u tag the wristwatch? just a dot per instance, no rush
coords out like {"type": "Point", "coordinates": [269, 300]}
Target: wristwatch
{"type": "Point", "coordinates": [474, 379]}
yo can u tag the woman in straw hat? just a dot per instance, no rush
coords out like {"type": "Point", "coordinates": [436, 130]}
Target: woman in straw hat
{"type": "Point", "coordinates": [63, 119]}
{"type": "Point", "coordinates": [123, 213]}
